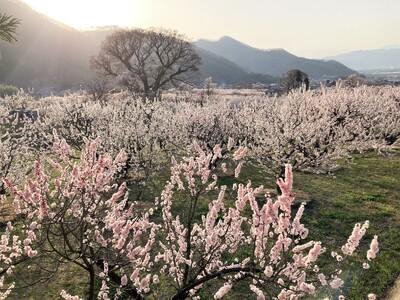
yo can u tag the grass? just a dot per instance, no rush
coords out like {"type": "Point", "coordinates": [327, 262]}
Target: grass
{"type": "Point", "coordinates": [365, 189]}
{"type": "Point", "coordinates": [69, 277]}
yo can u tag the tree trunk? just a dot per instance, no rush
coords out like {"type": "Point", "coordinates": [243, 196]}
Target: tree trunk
{"type": "Point", "coordinates": [91, 284]}
{"type": "Point", "coordinates": [180, 296]}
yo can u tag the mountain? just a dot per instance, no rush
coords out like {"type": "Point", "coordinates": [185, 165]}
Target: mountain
{"type": "Point", "coordinates": [53, 55]}
{"type": "Point", "coordinates": [394, 46]}
{"type": "Point", "coordinates": [385, 58]}
{"type": "Point", "coordinates": [275, 62]}
{"type": "Point", "coordinates": [223, 70]}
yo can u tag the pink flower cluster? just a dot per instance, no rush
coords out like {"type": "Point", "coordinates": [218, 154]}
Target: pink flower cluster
{"type": "Point", "coordinates": [82, 200]}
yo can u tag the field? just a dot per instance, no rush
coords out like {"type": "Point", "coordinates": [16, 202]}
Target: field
{"type": "Point", "coordinates": [342, 145]}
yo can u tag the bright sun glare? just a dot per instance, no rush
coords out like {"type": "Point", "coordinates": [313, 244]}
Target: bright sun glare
{"type": "Point", "coordinates": [83, 14]}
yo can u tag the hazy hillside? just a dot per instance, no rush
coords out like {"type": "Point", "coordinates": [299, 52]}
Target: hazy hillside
{"type": "Point", "coordinates": [274, 62]}
{"type": "Point", "coordinates": [47, 53]}
{"type": "Point", "coordinates": [370, 59]}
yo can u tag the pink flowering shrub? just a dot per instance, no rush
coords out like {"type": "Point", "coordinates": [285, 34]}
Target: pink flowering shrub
{"type": "Point", "coordinates": [75, 212]}
{"type": "Point", "coordinates": [198, 234]}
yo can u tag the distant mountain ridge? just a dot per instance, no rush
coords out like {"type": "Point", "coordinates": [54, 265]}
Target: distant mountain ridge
{"type": "Point", "coordinates": [225, 71]}
{"type": "Point", "coordinates": [385, 58]}
{"type": "Point", "coordinates": [275, 62]}
{"type": "Point", "coordinates": [51, 54]}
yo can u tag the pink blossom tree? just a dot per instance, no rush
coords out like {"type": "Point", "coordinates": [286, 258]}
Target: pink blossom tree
{"type": "Point", "coordinates": [75, 213]}
{"type": "Point", "coordinates": [79, 216]}
{"type": "Point", "coordinates": [240, 239]}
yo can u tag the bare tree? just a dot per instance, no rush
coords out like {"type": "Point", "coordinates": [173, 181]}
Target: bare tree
{"type": "Point", "coordinates": [294, 79]}
{"type": "Point", "coordinates": [98, 89]}
{"type": "Point", "coordinates": [144, 61]}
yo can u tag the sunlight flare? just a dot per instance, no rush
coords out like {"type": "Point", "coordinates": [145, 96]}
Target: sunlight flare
{"type": "Point", "coordinates": [90, 13]}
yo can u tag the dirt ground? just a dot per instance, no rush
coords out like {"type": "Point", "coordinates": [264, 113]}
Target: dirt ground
{"type": "Point", "coordinates": [395, 291]}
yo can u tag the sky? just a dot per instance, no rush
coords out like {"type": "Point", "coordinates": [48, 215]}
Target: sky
{"type": "Point", "coordinates": [310, 28]}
